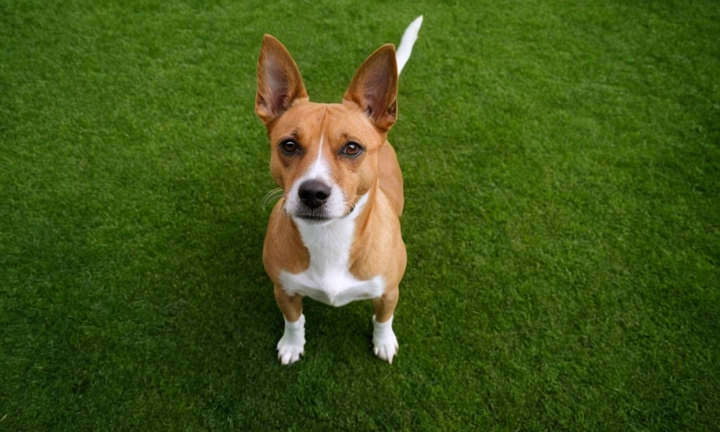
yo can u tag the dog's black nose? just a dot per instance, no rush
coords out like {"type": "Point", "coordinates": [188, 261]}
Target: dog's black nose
{"type": "Point", "coordinates": [314, 193]}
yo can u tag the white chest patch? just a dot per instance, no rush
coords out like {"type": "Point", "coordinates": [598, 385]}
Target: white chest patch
{"type": "Point", "coordinates": [328, 278]}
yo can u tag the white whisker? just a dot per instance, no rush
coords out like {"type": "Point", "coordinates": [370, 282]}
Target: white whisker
{"type": "Point", "coordinates": [272, 196]}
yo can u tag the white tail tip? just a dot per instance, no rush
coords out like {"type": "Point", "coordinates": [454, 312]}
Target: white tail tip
{"type": "Point", "coordinates": [406, 43]}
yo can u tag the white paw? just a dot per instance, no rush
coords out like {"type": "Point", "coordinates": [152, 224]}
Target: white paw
{"type": "Point", "coordinates": [385, 344]}
{"type": "Point", "coordinates": [292, 344]}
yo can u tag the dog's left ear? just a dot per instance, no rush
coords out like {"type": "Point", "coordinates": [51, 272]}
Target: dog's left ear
{"type": "Point", "coordinates": [374, 87]}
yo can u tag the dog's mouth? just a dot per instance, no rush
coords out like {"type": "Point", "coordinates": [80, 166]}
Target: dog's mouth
{"type": "Point", "coordinates": [313, 218]}
{"type": "Point", "coordinates": [309, 215]}
{"type": "Point", "coordinates": [319, 215]}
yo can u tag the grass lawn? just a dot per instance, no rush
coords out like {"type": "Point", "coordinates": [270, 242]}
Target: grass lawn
{"type": "Point", "coordinates": [562, 220]}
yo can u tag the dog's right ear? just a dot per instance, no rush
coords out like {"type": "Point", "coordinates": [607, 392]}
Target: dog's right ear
{"type": "Point", "coordinates": [279, 84]}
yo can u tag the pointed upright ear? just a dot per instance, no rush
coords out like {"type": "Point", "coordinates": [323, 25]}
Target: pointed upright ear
{"type": "Point", "coordinates": [374, 87]}
{"type": "Point", "coordinates": [279, 84]}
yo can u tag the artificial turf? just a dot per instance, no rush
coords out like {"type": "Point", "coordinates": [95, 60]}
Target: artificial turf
{"type": "Point", "coordinates": [562, 171]}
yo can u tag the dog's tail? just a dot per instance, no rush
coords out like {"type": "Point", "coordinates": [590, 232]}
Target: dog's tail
{"type": "Point", "coordinates": [406, 43]}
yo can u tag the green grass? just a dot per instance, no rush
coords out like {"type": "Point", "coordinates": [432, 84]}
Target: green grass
{"type": "Point", "coordinates": [562, 167]}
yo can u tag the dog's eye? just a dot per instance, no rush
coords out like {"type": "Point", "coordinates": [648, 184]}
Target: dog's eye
{"type": "Point", "coordinates": [289, 147]}
{"type": "Point", "coordinates": [352, 149]}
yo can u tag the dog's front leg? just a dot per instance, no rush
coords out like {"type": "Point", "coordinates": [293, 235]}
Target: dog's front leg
{"type": "Point", "coordinates": [292, 343]}
{"type": "Point", "coordinates": [385, 344]}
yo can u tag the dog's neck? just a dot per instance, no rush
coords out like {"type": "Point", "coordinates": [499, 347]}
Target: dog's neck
{"type": "Point", "coordinates": [328, 243]}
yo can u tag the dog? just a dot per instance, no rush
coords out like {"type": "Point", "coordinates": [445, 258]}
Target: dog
{"type": "Point", "coordinates": [334, 235]}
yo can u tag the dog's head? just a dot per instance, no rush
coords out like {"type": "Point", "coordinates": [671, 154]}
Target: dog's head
{"type": "Point", "coordinates": [324, 156]}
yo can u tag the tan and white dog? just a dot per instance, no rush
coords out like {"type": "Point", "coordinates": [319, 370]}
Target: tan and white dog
{"type": "Point", "coordinates": [334, 236]}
